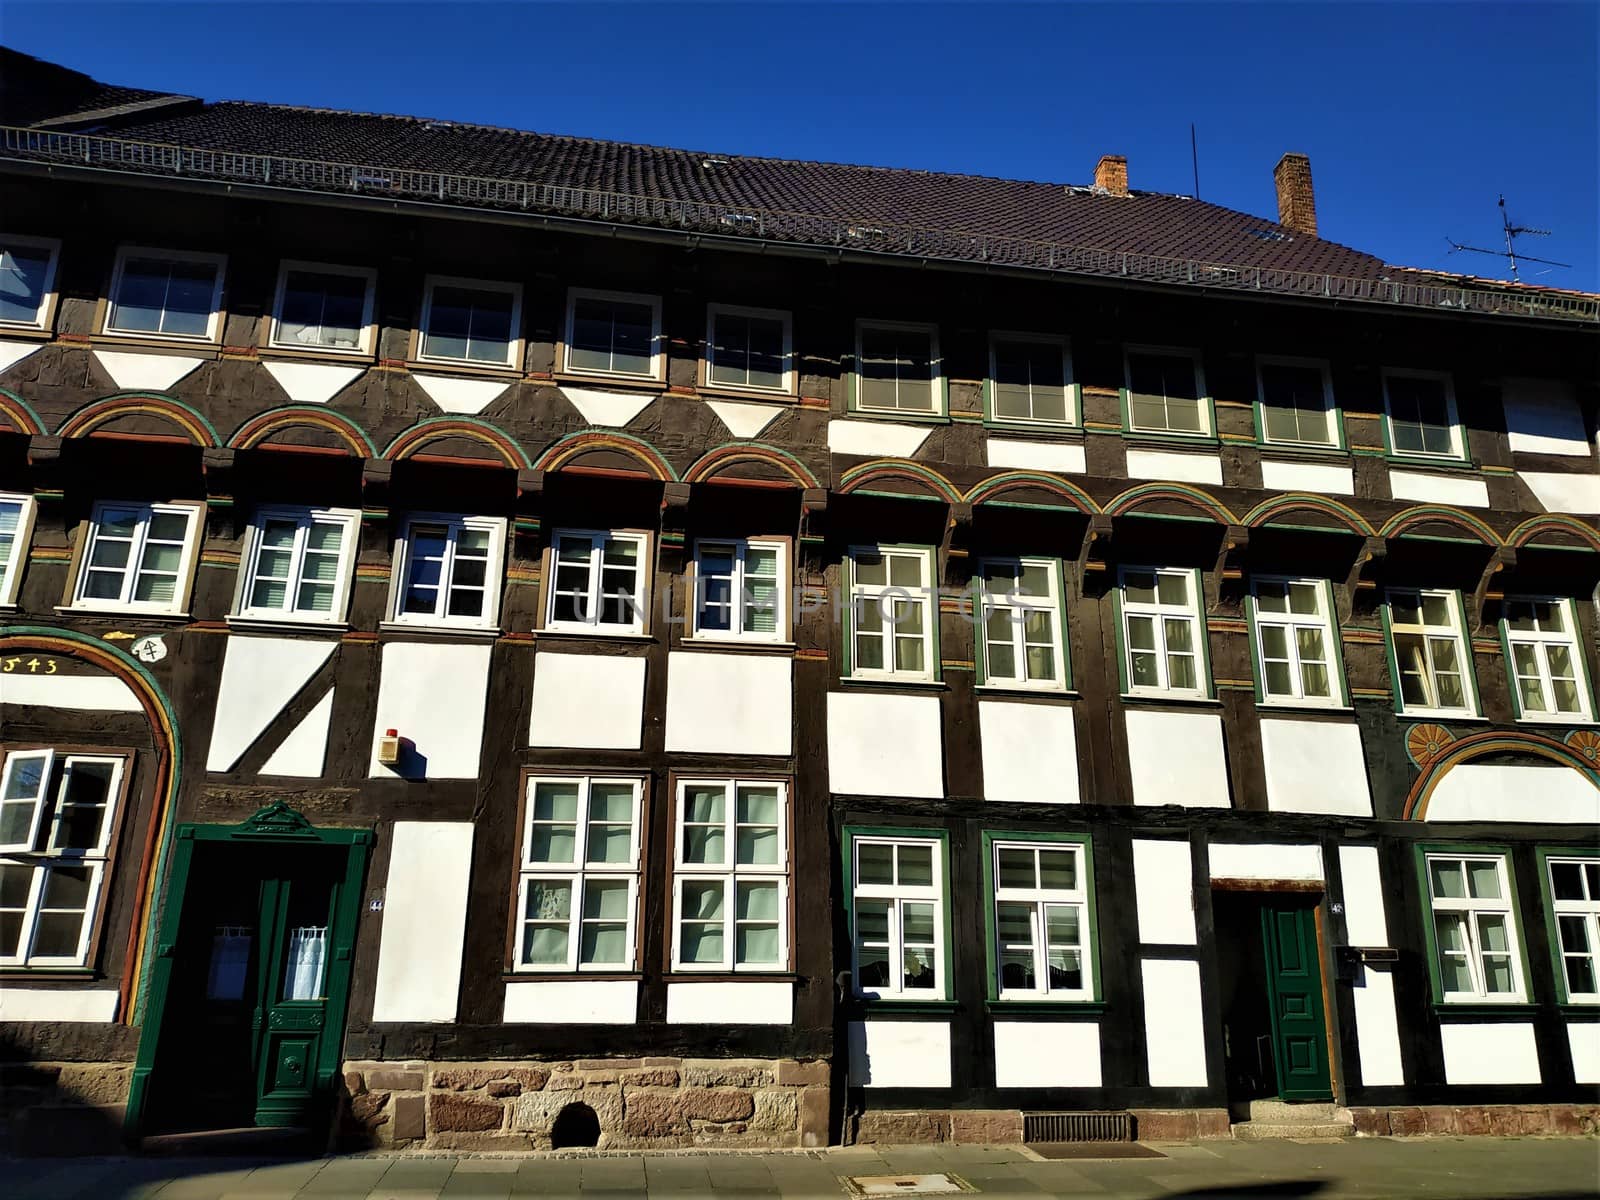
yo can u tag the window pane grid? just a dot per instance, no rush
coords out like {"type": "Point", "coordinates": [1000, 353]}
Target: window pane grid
{"type": "Point", "coordinates": [1430, 652]}
{"type": "Point", "coordinates": [1164, 394]}
{"type": "Point", "coordinates": [1294, 404]}
{"type": "Point", "coordinates": [1474, 928]}
{"type": "Point", "coordinates": [24, 277]}
{"type": "Point", "coordinates": [136, 556]}
{"type": "Point", "coordinates": [470, 324]}
{"type": "Point", "coordinates": [1021, 622]}
{"type": "Point", "coordinates": [599, 581]}
{"type": "Point", "coordinates": [898, 930]}
{"type": "Point", "coordinates": [1161, 628]}
{"type": "Point", "coordinates": [896, 369]}
{"type": "Point", "coordinates": [731, 870]}
{"type": "Point", "coordinates": [450, 569]}
{"type": "Point", "coordinates": [171, 297]}
{"type": "Point", "coordinates": [748, 350]}
{"type": "Point", "coordinates": [1419, 415]}
{"type": "Point", "coordinates": [1294, 638]}
{"type": "Point", "coordinates": [1542, 638]}
{"type": "Point", "coordinates": [298, 566]}
{"type": "Point", "coordinates": [612, 337]}
{"type": "Point", "coordinates": [739, 590]}
{"type": "Point", "coordinates": [325, 310]}
{"type": "Point", "coordinates": [1041, 919]}
{"type": "Point", "coordinates": [1575, 903]}
{"type": "Point", "coordinates": [891, 613]}
{"type": "Point", "coordinates": [1029, 380]}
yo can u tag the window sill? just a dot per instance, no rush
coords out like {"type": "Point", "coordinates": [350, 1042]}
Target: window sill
{"type": "Point", "coordinates": [1043, 1007]}
{"type": "Point", "coordinates": [1581, 720]}
{"type": "Point", "coordinates": [30, 330]}
{"type": "Point", "coordinates": [1150, 439]}
{"type": "Point", "coordinates": [593, 635]}
{"type": "Point", "coordinates": [285, 624]}
{"type": "Point", "coordinates": [904, 418]}
{"type": "Point", "coordinates": [873, 681]}
{"type": "Point", "coordinates": [1484, 1008]}
{"type": "Point", "coordinates": [483, 632]}
{"type": "Point", "coordinates": [1175, 698]}
{"type": "Point", "coordinates": [1438, 714]}
{"type": "Point", "coordinates": [466, 370]}
{"type": "Point", "coordinates": [155, 341]}
{"type": "Point", "coordinates": [634, 382]}
{"type": "Point", "coordinates": [315, 353]}
{"type": "Point", "coordinates": [778, 975]}
{"type": "Point", "coordinates": [723, 391]}
{"type": "Point", "coordinates": [1581, 1008]}
{"type": "Point", "coordinates": [1431, 462]}
{"type": "Point", "coordinates": [123, 614]}
{"type": "Point", "coordinates": [1055, 431]}
{"type": "Point", "coordinates": [15, 974]}
{"type": "Point", "coordinates": [566, 976]}
{"type": "Point", "coordinates": [881, 1006]}
{"type": "Point", "coordinates": [1267, 707]}
{"type": "Point", "coordinates": [698, 642]}
{"type": "Point", "coordinates": [1039, 693]}
{"type": "Point", "coordinates": [1301, 453]}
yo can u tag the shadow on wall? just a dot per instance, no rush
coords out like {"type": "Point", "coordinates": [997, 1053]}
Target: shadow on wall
{"type": "Point", "coordinates": [62, 1109]}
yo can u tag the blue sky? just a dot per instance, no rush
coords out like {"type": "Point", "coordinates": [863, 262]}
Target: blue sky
{"type": "Point", "coordinates": [1416, 116]}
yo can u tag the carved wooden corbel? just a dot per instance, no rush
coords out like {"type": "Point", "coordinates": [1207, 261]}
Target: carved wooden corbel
{"type": "Point", "coordinates": [1231, 574]}
{"type": "Point", "coordinates": [1096, 555]}
{"type": "Point", "coordinates": [813, 531]}
{"type": "Point", "coordinates": [217, 464]}
{"type": "Point", "coordinates": [46, 471]}
{"type": "Point", "coordinates": [674, 524]}
{"type": "Point", "coordinates": [957, 546]}
{"type": "Point", "coordinates": [1490, 593]}
{"type": "Point", "coordinates": [1366, 577]}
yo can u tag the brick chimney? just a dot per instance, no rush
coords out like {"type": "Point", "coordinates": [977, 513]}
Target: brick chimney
{"type": "Point", "coordinates": [1111, 175]}
{"type": "Point", "coordinates": [1297, 204]}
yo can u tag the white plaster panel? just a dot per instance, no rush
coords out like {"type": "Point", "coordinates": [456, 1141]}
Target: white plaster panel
{"type": "Point", "coordinates": [1315, 767]}
{"type": "Point", "coordinates": [1015, 454]}
{"type": "Point", "coordinates": [744, 419]}
{"type": "Point", "coordinates": [1177, 758]}
{"type": "Point", "coordinates": [1174, 466]}
{"type": "Point", "coordinates": [730, 703]}
{"type": "Point", "coordinates": [1364, 920]}
{"type": "Point", "coordinates": [1046, 1054]}
{"type": "Point", "coordinates": [1542, 417]}
{"type": "Point", "coordinates": [587, 701]}
{"type": "Point", "coordinates": [1030, 752]}
{"type": "Point", "coordinates": [454, 395]}
{"type": "Point", "coordinates": [142, 372]}
{"type": "Point", "coordinates": [96, 1005]}
{"type": "Point", "coordinates": [1438, 489]}
{"type": "Point", "coordinates": [1576, 492]}
{"type": "Point", "coordinates": [434, 695]}
{"type": "Point", "coordinates": [884, 745]}
{"type": "Point", "coordinates": [750, 1003]}
{"type": "Point", "coordinates": [1163, 888]}
{"type": "Point", "coordinates": [259, 676]}
{"type": "Point", "coordinates": [11, 353]}
{"type": "Point", "coordinates": [303, 752]}
{"type": "Point", "coordinates": [1501, 1052]}
{"type": "Point", "coordinates": [1509, 792]}
{"type": "Point", "coordinates": [101, 693]}
{"type": "Point", "coordinates": [899, 1054]}
{"type": "Point", "coordinates": [424, 928]}
{"type": "Point", "coordinates": [311, 383]}
{"type": "Point", "coordinates": [1174, 1031]}
{"type": "Point", "coordinates": [1265, 860]}
{"type": "Point", "coordinates": [1583, 1040]}
{"type": "Point", "coordinates": [572, 1002]}
{"type": "Point", "coordinates": [614, 409]}
{"type": "Point", "coordinates": [876, 439]}
{"type": "Point", "coordinates": [1322, 478]}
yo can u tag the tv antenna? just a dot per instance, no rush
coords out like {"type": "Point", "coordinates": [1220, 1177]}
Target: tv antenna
{"type": "Point", "coordinates": [1512, 232]}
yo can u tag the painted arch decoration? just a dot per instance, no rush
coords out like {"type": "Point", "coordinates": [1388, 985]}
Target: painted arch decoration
{"type": "Point", "coordinates": [345, 432]}
{"type": "Point", "coordinates": [17, 415]}
{"type": "Point", "coordinates": [1272, 511]}
{"type": "Point", "coordinates": [606, 447]}
{"type": "Point", "coordinates": [1557, 525]}
{"type": "Point", "coordinates": [1199, 502]}
{"type": "Point", "coordinates": [1020, 484]}
{"type": "Point", "coordinates": [423, 434]}
{"type": "Point", "coordinates": [191, 425]}
{"type": "Point", "coordinates": [899, 477]}
{"type": "Point", "coordinates": [1437, 753]}
{"type": "Point", "coordinates": [724, 459]}
{"type": "Point", "coordinates": [1422, 515]}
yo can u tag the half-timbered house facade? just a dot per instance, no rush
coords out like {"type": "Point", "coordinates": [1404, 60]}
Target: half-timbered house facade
{"type": "Point", "coordinates": [515, 641]}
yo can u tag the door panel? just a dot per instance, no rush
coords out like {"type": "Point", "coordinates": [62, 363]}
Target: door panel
{"type": "Point", "coordinates": [1294, 981]}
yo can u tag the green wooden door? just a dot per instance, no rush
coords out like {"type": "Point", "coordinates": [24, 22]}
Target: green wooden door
{"type": "Point", "coordinates": [1294, 985]}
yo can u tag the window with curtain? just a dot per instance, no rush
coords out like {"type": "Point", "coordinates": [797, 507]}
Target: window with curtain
{"type": "Point", "coordinates": [730, 876]}
{"type": "Point", "coordinates": [898, 368]}
{"type": "Point", "coordinates": [448, 571]}
{"type": "Point", "coordinates": [1042, 921]}
{"type": "Point", "coordinates": [1474, 927]}
{"type": "Point", "coordinates": [740, 590]}
{"type": "Point", "coordinates": [1021, 623]}
{"type": "Point", "coordinates": [16, 521]}
{"type": "Point", "coordinates": [1294, 641]}
{"type": "Point", "coordinates": [27, 279]}
{"type": "Point", "coordinates": [137, 556]}
{"type": "Point", "coordinates": [892, 611]}
{"type": "Point", "coordinates": [1546, 663]}
{"type": "Point", "coordinates": [1430, 651]}
{"type": "Point", "coordinates": [323, 308]}
{"type": "Point", "coordinates": [1422, 415]}
{"type": "Point", "coordinates": [1164, 393]}
{"type": "Point", "coordinates": [1162, 630]}
{"type": "Point", "coordinates": [1030, 380]}
{"type": "Point", "coordinates": [897, 917]}
{"type": "Point", "coordinates": [1296, 403]}
{"type": "Point", "coordinates": [471, 321]}
{"type": "Point", "coordinates": [1575, 905]}
{"type": "Point", "coordinates": [578, 885]}
{"type": "Point", "coordinates": [748, 348]}
{"type": "Point", "coordinates": [157, 293]}
{"type": "Point", "coordinates": [298, 563]}
{"type": "Point", "coordinates": [612, 333]}
{"type": "Point", "coordinates": [599, 581]}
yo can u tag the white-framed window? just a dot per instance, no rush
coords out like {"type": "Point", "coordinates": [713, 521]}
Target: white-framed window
{"type": "Point", "coordinates": [27, 280]}
{"type": "Point", "coordinates": [614, 333]}
{"type": "Point", "coordinates": [898, 368]}
{"type": "Point", "coordinates": [1030, 379]}
{"type": "Point", "coordinates": [1022, 626]}
{"type": "Point", "coordinates": [57, 814]}
{"type": "Point", "coordinates": [1575, 905]}
{"type": "Point", "coordinates": [740, 590]}
{"type": "Point", "coordinates": [1474, 927]}
{"type": "Point", "coordinates": [730, 898]}
{"type": "Point", "coordinates": [297, 564]}
{"type": "Point", "coordinates": [1162, 630]}
{"type": "Point", "coordinates": [16, 526]}
{"type": "Point", "coordinates": [166, 294]}
{"type": "Point", "coordinates": [476, 322]}
{"type": "Point", "coordinates": [1166, 392]}
{"type": "Point", "coordinates": [1430, 651]}
{"type": "Point", "coordinates": [897, 918]}
{"type": "Point", "coordinates": [1042, 920]}
{"type": "Point", "coordinates": [1296, 654]}
{"type": "Point", "coordinates": [138, 557]}
{"type": "Point", "coordinates": [1420, 414]}
{"type": "Point", "coordinates": [749, 349]}
{"type": "Point", "coordinates": [893, 613]}
{"type": "Point", "coordinates": [597, 581]}
{"type": "Point", "coordinates": [323, 308]}
{"type": "Point", "coordinates": [447, 571]}
{"type": "Point", "coordinates": [1546, 663]}
{"type": "Point", "coordinates": [1296, 398]}
{"type": "Point", "coordinates": [578, 886]}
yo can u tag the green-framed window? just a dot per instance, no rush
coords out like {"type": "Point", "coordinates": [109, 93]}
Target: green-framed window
{"type": "Point", "coordinates": [1570, 881]}
{"type": "Point", "coordinates": [1040, 928]}
{"type": "Point", "coordinates": [1030, 380]}
{"type": "Point", "coordinates": [1295, 404]}
{"type": "Point", "coordinates": [898, 369]}
{"type": "Point", "coordinates": [1022, 626]}
{"type": "Point", "coordinates": [1164, 392]}
{"type": "Point", "coordinates": [16, 525]}
{"type": "Point", "coordinates": [1476, 951]}
{"type": "Point", "coordinates": [893, 614]}
{"type": "Point", "coordinates": [1429, 653]}
{"type": "Point", "coordinates": [1544, 657]}
{"type": "Point", "coordinates": [1295, 641]}
{"type": "Point", "coordinates": [1420, 419]}
{"type": "Point", "coordinates": [1162, 628]}
{"type": "Point", "coordinates": [897, 888]}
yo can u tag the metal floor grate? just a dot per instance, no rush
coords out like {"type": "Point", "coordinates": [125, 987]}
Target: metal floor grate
{"type": "Point", "coordinates": [1077, 1127]}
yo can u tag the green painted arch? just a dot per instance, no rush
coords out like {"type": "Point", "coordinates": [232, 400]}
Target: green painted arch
{"type": "Point", "coordinates": [288, 416]}
{"type": "Point", "coordinates": [1420, 514]}
{"type": "Point", "coordinates": [1197, 498]}
{"type": "Point", "coordinates": [409, 441]}
{"type": "Point", "coordinates": [563, 450]}
{"type": "Point", "coordinates": [1524, 533]}
{"type": "Point", "coordinates": [858, 477]}
{"type": "Point", "coordinates": [1491, 741]}
{"type": "Point", "coordinates": [710, 464]}
{"type": "Point", "coordinates": [992, 488]}
{"type": "Point", "coordinates": [19, 413]}
{"type": "Point", "coordinates": [85, 420]}
{"type": "Point", "coordinates": [1268, 510]}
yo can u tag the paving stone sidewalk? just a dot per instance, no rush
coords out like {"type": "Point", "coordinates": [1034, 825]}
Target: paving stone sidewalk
{"type": "Point", "coordinates": [1478, 1168]}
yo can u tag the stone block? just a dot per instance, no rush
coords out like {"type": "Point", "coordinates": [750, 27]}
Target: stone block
{"type": "Point", "coordinates": [449, 1113]}
{"type": "Point", "coordinates": [710, 1073]}
{"type": "Point", "coordinates": [408, 1113]}
{"type": "Point", "coordinates": [531, 1078]}
{"type": "Point", "coordinates": [777, 1111]}
{"type": "Point", "coordinates": [354, 1084]}
{"type": "Point", "coordinates": [1407, 1122]}
{"type": "Point", "coordinates": [607, 1064]}
{"type": "Point", "coordinates": [814, 1112]}
{"type": "Point", "coordinates": [456, 1079]}
{"type": "Point", "coordinates": [661, 1062]}
{"type": "Point", "coordinates": [1473, 1119]}
{"type": "Point", "coordinates": [1165, 1124]}
{"type": "Point", "coordinates": [94, 1083]}
{"type": "Point", "coordinates": [503, 1087]}
{"type": "Point", "coordinates": [601, 1075]}
{"type": "Point", "coordinates": [1504, 1120]}
{"type": "Point", "coordinates": [1213, 1123]}
{"type": "Point", "coordinates": [651, 1077]}
{"type": "Point", "coordinates": [803, 1074]}
{"type": "Point", "coordinates": [653, 1115]}
{"type": "Point", "coordinates": [1564, 1119]}
{"type": "Point", "coordinates": [986, 1127]}
{"type": "Point", "coordinates": [892, 1128]}
{"type": "Point", "coordinates": [535, 1112]}
{"type": "Point", "coordinates": [568, 1082]}
{"type": "Point", "coordinates": [1370, 1122]}
{"type": "Point", "coordinates": [480, 1141]}
{"type": "Point", "coordinates": [1439, 1118]}
{"type": "Point", "coordinates": [396, 1079]}
{"type": "Point", "coordinates": [368, 1107]}
{"type": "Point", "coordinates": [719, 1105]}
